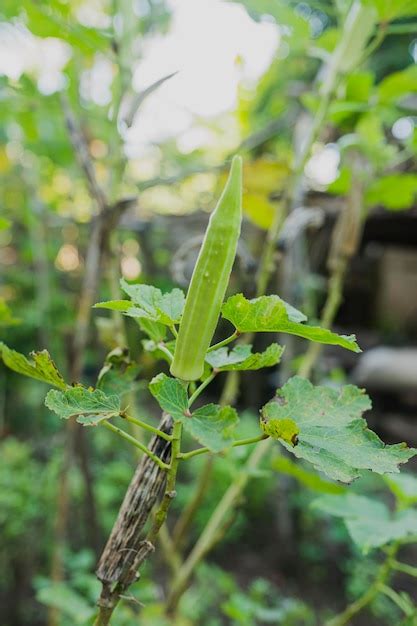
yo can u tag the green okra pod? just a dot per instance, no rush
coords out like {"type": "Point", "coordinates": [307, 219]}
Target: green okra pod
{"type": "Point", "coordinates": [209, 280]}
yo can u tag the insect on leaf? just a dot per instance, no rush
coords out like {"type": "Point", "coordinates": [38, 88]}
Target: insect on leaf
{"type": "Point", "coordinates": [333, 435]}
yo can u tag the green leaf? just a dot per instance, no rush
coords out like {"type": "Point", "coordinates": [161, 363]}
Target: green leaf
{"type": "Point", "coordinates": [333, 436]}
{"type": "Point", "coordinates": [397, 85]}
{"type": "Point", "coordinates": [403, 486]}
{"type": "Point", "coordinates": [242, 358]}
{"type": "Point", "coordinates": [4, 224]}
{"type": "Point", "coordinates": [311, 480]}
{"type": "Point", "coordinates": [358, 86]}
{"type": "Point", "coordinates": [212, 426]}
{"type": "Point", "coordinates": [394, 191]}
{"type": "Point", "coordinates": [114, 305]}
{"type": "Point", "coordinates": [271, 314]}
{"type": "Point", "coordinates": [88, 406]}
{"type": "Point", "coordinates": [151, 303]}
{"type": "Point", "coordinates": [41, 366]}
{"type": "Point", "coordinates": [368, 521]}
{"type": "Point", "coordinates": [393, 9]}
{"type": "Point", "coordinates": [62, 597]}
{"type": "Point", "coordinates": [171, 395]}
{"type": "Point", "coordinates": [155, 331]}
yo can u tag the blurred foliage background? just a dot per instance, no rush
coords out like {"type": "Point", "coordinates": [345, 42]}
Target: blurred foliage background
{"type": "Point", "coordinates": [118, 121]}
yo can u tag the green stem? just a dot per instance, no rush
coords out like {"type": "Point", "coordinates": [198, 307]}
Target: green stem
{"type": "Point", "coordinates": [136, 443]}
{"type": "Point", "coordinates": [170, 553]}
{"type": "Point", "coordinates": [405, 568]}
{"type": "Point", "coordinates": [165, 350]}
{"type": "Point", "coordinates": [394, 597]}
{"type": "Point", "coordinates": [331, 307]}
{"type": "Point", "coordinates": [145, 426]}
{"type": "Point", "coordinates": [187, 515]}
{"type": "Point", "coordinates": [226, 341]}
{"type": "Point", "coordinates": [169, 493]}
{"type": "Point", "coordinates": [240, 442]}
{"type": "Point", "coordinates": [382, 577]}
{"type": "Point", "coordinates": [201, 388]}
{"type": "Point", "coordinates": [211, 531]}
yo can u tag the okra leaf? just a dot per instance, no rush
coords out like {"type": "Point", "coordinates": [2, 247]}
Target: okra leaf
{"type": "Point", "coordinates": [242, 358]}
{"type": "Point", "coordinates": [171, 395]}
{"type": "Point", "coordinates": [368, 521]}
{"type": "Point", "coordinates": [40, 365]}
{"type": "Point", "coordinates": [307, 478]}
{"type": "Point", "coordinates": [332, 435]}
{"type": "Point", "coordinates": [403, 486]}
{"type": "Point", "coordinates": [88, 406]}
{"type": "Point", "coordinates": [212, 426]}
{"type": "Point", "coordinates": [114, 305]}
{"type": "Point", "coordinates": [149, 302]}
{"type": "Point", "coordinates": [155, 331]}
{"type": "Point", "coordinates": [271, 314]}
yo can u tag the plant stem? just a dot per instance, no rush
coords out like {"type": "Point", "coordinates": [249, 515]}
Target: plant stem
{"type": "Point", "coordinates": [171, 555]}
{"type": "Point", "coordinates": [165, 350]}
{"type": "Point", "coordinates": [331, 307]}
{"type": "Point", "coordinates": [201, 388]}
{"type": "Point", "coordinates": [226, 341]}
{"type": "Point", "coordinates": [170, 493]}
{"type": "Point", "coordinates": [145, 426]}
{"type": "Point", "coordinates": [240, 442]}
{"type": "Point", "coordinates": [136, 443]}
{"type": "Point", "coordinates": [381, 579]}
{"type": "Point", "coordinates": [187, 516]}
{"type": "Point", "coordinates": [210, 532]}
{"type": "Point", "coordinates": [394, 597]}
{"type": "Point", "coordinates": [405, 568]}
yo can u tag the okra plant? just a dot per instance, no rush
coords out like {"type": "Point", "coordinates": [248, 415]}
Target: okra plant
{"type": "Point", "coordinates": [321, 425]}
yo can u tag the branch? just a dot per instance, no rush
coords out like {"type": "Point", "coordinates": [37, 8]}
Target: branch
{"type": "Point", "coordinates": [125, 550]}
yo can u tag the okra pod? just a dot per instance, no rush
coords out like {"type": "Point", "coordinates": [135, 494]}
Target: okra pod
{"type": "Point", "coordinates": [209, 280]}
